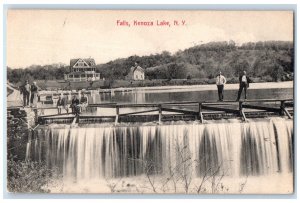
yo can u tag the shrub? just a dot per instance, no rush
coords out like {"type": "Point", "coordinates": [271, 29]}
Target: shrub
{"type": "Point", "coordinates": [28, 176]}
{"type": "Point", "coordinates": [233, 80]}
{"type": "Point", "coordinates": [267, 78]}
{"type": "Point", "coordinates": [211, 81]}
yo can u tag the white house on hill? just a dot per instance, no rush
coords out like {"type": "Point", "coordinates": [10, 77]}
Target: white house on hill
{"type": "Point", "coordinates": [136, 73]}
{"type": "Point", "coordinates": [82, 70]}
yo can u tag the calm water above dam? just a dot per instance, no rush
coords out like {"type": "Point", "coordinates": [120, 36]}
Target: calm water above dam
{"type": "Point", "coordinates": [206, 93]}
{"type": "Point", "coordinates": [173, 96]}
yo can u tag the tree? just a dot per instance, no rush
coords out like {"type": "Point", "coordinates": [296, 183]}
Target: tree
{"type": "Point", "coordinates": [277, 73]}
{"type": "Point", "coordinates": [205, 60]}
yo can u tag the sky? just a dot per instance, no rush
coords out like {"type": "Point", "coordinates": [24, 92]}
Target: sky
{"type": "Point", "coordinates": [39, 37]}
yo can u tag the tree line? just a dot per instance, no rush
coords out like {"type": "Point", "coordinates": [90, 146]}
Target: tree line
{"type": "Point", "coordinates": [271, 60]}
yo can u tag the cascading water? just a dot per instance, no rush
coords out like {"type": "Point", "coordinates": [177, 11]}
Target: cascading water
{"type": "Point", "coordinates": [93, 151]}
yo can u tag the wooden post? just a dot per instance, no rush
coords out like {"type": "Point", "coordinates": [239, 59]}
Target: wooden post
{"type": "Point", "coordinates": [200, 112]}
{"type": "Point", "coordinates": [74, 120]}
{"type": "Point", "coordinates": [36, 117]}
{"type": "Point", "coordinates": [240, 106]}
{"type": "Point", "coordinates": [282, 106]}
{"type": "Point", "coordinates": [159, 113]}
{"type": "Point", "coordinates": [117, 114]}
{"type": "Point", "coordinates": [283, 110]}
{"type": "Point", "coordinates": [242, 111]}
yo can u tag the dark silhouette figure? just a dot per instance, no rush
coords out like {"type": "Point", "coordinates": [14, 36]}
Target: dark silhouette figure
{"type": "Point", "coordinates": [34, 91]}
{"type": "Point", "coordinates": [25, 90]}
{"type": "Point", "coordinates": [244, 85]}
{"type": "Point", "coordinates": [75, 105]}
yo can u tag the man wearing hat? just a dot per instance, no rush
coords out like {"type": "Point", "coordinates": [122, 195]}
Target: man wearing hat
{"type": "Point", "coordinates": [75, 105]}
{"type": "Point", "coordinates": [25, 90]}
{"type": "Point", "coordinates": [220, 82]}
{"type": "Point", "coordinates": [244, 85]}
{"type": "Point", "coordinates": [83, 102]}
{"type": "Point", "coordinates": [34, 94]}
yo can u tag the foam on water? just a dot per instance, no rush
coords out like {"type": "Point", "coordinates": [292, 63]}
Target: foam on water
{"type": "Point", "coordinates": [93, 152]}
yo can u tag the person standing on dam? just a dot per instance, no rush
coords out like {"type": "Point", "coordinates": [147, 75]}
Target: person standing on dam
{"type": "Point", "coordinates": [220, 82]}
{"type": "Point", "coordinates": [34, 94]}
{"type": "Point", "coordinates": [25, 90]}
{"type": "Point", "coordinates": [59, 104]}
{"type": "Point", "coordinates": [244, 84]}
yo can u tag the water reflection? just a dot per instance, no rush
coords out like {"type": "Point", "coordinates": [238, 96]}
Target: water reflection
{"type": "Point", "coordinates": [210, 95]}
{"type": "Point", "coordinates": [140, 96]}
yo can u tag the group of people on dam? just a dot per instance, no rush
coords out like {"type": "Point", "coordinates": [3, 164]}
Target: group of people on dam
{"type": "Point", "coordinates": [30, 94]}
{"type": "Point", "coordinates": [79, 101]}
{"type": "Point", "coordinates": [31, 97]}
{"type": "Point", "coordinates": [244, 82]}
{"type": "Point", "coordinates": [77, 105]}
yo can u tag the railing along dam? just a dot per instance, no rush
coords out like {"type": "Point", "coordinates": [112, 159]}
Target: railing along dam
{"type": "Point", "coordinates": [175, 111]}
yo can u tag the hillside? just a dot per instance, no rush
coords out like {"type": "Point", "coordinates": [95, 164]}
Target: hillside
{"type": "Point", "coordinates": [268, 61]}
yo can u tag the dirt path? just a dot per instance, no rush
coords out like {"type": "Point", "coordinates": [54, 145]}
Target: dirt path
{"type": "Point", "coordinates": [15, 98]}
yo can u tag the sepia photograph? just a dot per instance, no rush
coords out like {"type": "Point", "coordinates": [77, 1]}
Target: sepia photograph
{"type": "Point", "coordinates": [150, 101]}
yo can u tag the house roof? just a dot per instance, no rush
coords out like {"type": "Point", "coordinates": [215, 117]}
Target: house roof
{"type": "Point", "coordinates": [133, 69]}
{"type": "Point", "coordinates": [139, 68]}
{"type": "Point", "coordinates": [89, 61]}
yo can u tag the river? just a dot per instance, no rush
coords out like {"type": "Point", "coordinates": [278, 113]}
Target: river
{"type": "Point", "coordinates": [282, 90]}
{"type": "Point", "coordinates": [227, 156]}
{"type": "Point", "coordinates": [217, 157]}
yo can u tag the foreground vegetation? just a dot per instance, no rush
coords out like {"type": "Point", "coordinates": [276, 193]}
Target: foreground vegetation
{"type": "Point", "coordinates": [24, 176]}
{"type": "Point", "coordinates": [28, 176]}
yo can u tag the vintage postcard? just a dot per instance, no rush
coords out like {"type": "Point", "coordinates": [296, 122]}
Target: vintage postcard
{"type": "Point", "coordinates": [150, 101]}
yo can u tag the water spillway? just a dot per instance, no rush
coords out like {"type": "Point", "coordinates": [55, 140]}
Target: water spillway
{"type": "Point", "coordinates": [254, 148]}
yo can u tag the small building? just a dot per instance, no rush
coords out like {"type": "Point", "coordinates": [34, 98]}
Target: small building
{"type": "Point", "coordinates": [82, 70]}
{"type": "Point", "coordinates": [136, 73]}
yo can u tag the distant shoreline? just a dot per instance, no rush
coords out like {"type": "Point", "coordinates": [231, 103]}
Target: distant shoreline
{"type": "Point", "coordinates": [15, 95]}
{"type": "Point", "coordinates": [149, 85]}
{"type": "Point", "coordinates": [186, 88]}
{"type": "Point", "coordinates": [205, 87]}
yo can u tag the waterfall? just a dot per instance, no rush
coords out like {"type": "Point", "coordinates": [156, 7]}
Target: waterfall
{"type": "Point", "coordinates": [234, 148]}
